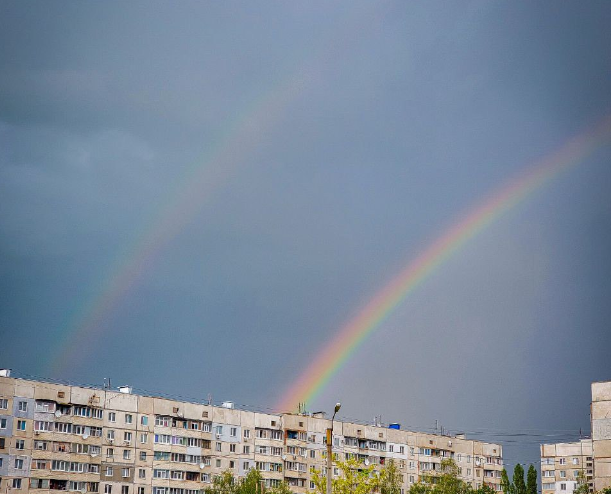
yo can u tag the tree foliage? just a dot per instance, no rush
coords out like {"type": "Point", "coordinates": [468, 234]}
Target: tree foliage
{"type": "Point", "coordinates": [447, 481]}
{"type": "Point", "coordinates": [354, 479]}
{"type": "Point", "coordinates": [531, 484]}
{"type": "Point", "coordinates": [226, 483]}
{"type": "Point", "coordinates": [519, 485]}
{"type": "Point", "coordinates": [504, 482]}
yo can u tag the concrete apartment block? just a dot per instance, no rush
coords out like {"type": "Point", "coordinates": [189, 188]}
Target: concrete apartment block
{"type": "Point", "coordinates": [600, 412]}
{"type": "Point", "coordinates": [562, 462]}
{"type": "Point", "coordinates": [55, 437]}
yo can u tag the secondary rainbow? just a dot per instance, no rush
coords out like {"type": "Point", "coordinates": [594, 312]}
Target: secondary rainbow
{"type": "Point", "coordinates": [237, 140]}
{"type": "Point", "coordinates": [347, 340]}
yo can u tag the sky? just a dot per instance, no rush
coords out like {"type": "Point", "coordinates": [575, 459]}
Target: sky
{"type": "Point", "coordinates": [195, 197]}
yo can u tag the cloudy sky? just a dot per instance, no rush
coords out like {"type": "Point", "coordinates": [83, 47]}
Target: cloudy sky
{"type": "Point", "coordinates": [194, 197]}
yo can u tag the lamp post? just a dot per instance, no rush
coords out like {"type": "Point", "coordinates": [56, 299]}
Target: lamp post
{"type": "Point", "coordinates": [329, 448]}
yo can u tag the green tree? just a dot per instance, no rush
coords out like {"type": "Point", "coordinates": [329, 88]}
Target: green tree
{"type": "Point", "coordinates": [445, 481]}
{"type": "Point", "coordinates": [484, 489]}
{"type": "Point", "coordinates": [223, 484]}
{"type": "Point", "coordinates": [519, 485]}
{"type": "Point", "coordinates": [504, 482]}
{"type": "Point", "coordinates": [282, 489]}
{"type": "Point", "coordinates": [531, 484]}
{"type": "Point", "coordinates": [390, 479]}
{"type": "Point", "coordinates": [354, 479]}
{"type": "Point", "coordinates": [582, 485]}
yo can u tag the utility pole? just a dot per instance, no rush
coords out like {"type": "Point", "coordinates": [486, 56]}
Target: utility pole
{"type": "Point", "coordinates": [329, 433]}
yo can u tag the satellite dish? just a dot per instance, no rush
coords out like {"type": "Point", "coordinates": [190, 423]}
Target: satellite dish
{"type": "Point", "coordinates": [366, 462]}
{"type": "Point", "coordinates": [284, 457]}
{"type": "Point", "coordinates": [201, 465]}
{"type": "Point", "coordinates": [85, 435]}
{"type": "Point", "coordinates": [58, 414]}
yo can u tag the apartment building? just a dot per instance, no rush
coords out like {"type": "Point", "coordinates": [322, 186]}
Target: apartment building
{"type": "Point", "coordinates": [561, 463]}
{"type": "Point", "coordinates": [55, 437]}
{"type": "Point", "coordinates": [600, 418]}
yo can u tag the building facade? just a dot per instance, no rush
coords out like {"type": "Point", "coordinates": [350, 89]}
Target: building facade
{"type": "Point", "coordinates": [562, 463]}
{"type": "Point", "coordinates": [600, 418]}
{"type": "Point", "coordinates": [55, 437]}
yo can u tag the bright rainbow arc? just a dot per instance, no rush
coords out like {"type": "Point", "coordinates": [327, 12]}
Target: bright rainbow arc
{"type": "Point", "coordinates": [354, 333]}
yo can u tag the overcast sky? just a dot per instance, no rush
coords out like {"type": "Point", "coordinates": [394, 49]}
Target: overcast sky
{"type": "Point", "coordinates": [245, 176]}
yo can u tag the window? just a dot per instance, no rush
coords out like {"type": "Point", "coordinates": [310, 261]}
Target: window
{"type": "Point", "coordinates": [112, 418]}
{"type": "Point", "coordinates": [218, 463]}
{"type": "Point", "coordinates": [143, 438]}
{"type": "Point", "coordinates": [562, 461]}
{"type": "Point", "coordinates": [245, 450]}
{"type": "Point", "coordinates": [40, 445]}
{"type": "Point", "coordinates": [4, 403]}
{"type": "Point", "coordinates": [23, 406]}
{"type": "Point", "coordinates": [231, 464]}
{"type": "Point", "coordinates": [126, 454]}
{"type": "Point", "coordinates": [16, 483]}
{"type": "Point", "coordinates": [141, 473]}
{"type": "Point", "coordinates": [459, 457]}
{"type": "Point", "coordinates": [21, 424]}
{"type": "Point", "coordinates": [19, 463]}
{"type": "Point", "coordinates": [109, 452]}
{"type": "Point", "coordinates": [246, 433]}
{"type": "Point", "coordinates": [575, 461]}
{"type": "Point", "coordinates": [233, 431]}
{"type": "Point", "coordinates": [20, 444]}
{"type": "Point", "coordinates": [127, 436]}
{"type": "Point", "coordinates": [563, 473]}
{"type": "Point", "coordinates": [562, 486]}
{"type": "Point", "coordinates": [143, 455]}
{"type": "Point", "coordinates": [141, 490]}
{"type": "Point", "coordinates": [108, 489]}
{"type": "Point", "coordinates": [110, 434]}
{"type": "Point", "coordinates": [40, 425]}
{"type": "Point", "coordinates": [232, 448]}
{"type": "Point", "coordinates": [128, 418]}
{"type": "Point", "coordinates": [125, 489]}
{"type": "Point", "coordinates": [125, 472]}
{"type": "Point", "coordinates": [217, 446]}
{"type": "Point", "coordinates": [144, 420]}
{"type": "Point", "coordinates": [109, 471]}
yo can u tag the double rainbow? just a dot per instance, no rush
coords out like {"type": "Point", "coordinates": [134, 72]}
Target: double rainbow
{"type": "Point", "coordinates": [355, 332]}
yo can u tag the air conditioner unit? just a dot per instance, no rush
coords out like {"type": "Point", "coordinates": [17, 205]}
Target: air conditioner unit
{"type": "Point", "coordinates": [36, 433]}
{"type": "Point", "coordinates": [218, 435]}
{"type": "Point", "coordinates": [111, 440]}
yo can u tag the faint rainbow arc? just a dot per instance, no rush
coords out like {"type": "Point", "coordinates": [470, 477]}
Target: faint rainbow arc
{"type": "Point", "coordinates": [240, 138]}
{"type": "Point", "coordinates": [346, 341]}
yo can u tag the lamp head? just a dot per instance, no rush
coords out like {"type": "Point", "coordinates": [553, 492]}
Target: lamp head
{"type": "Point", "coordinates": [337, 407]}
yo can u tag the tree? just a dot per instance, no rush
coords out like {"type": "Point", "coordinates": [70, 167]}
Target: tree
{"type": "Point", "coordinates": [582, 485]}
{"type": "Point", "coordinates": [531, 487]}
{"type": "Point", "coordinates": [504, 482]}
{"type": "Point", "coordinates": [226, 483]}
{"type": "Point", "coordinates": [446, 481]}
{"type": "Point", "coordinates": [223, 484]}
{"type": "Point", "coordinates": [519, 485]}
{"type": "Point", "coordinates": [390, 479]}
{"type": "Point", "coordinates": [354, 479]}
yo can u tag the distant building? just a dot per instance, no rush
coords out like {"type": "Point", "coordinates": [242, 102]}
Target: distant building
{"type": "Point", "coordinates": [55, 437]}
{"type": "Point", "coordinates": [600, 416]}
{"type": "Point", "coordinates": [562, 463]}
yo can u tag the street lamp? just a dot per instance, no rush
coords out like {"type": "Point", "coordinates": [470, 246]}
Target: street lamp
{"type": "Point", "coordinates": [329, 448]}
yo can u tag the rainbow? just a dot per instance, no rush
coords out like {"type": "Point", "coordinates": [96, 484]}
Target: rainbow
{"type": "Point", "coordinates": [236, 141]}
{"type": "Point", "coordinates": [355, 332]}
